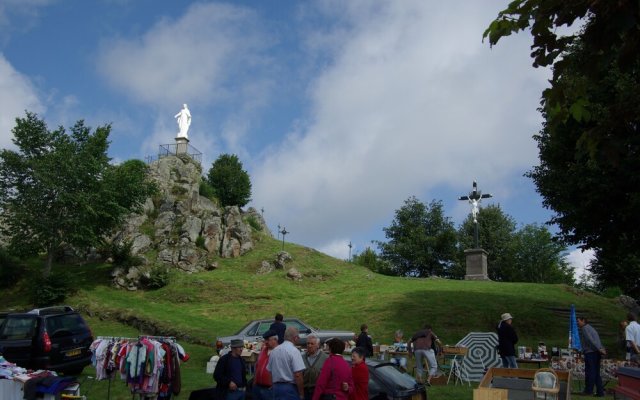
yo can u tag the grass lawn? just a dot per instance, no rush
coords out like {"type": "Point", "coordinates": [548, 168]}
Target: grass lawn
{"type": "Point", "coordinates": [333, 294]}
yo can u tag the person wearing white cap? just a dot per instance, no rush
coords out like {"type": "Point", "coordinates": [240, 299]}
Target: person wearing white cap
{"type": "Point", "coordinates": [507, 339]}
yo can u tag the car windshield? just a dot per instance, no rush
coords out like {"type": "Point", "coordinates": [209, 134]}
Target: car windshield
{"type": "Point", "coordinates": [294, 322]}
{"type": "Point", "coordinates": [394, 378]}
{"type": "Point", "coordinates": [65, 324]}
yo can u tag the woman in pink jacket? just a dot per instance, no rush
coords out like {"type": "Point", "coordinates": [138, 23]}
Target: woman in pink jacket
{"type": "Point", "coordinates": [335, 380]}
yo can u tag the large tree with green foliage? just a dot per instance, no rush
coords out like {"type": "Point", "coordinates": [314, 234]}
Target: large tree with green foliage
{"type": "Point", "coordinates": [495, 235]}
{"type": "Point", "coordinates": [528, 254]}
{"type": "Point", "coordinates": [370, 259]}
{"type": "Point", "coordinates": [231, 183]}
{"type": "Point", "coordinates": [539, 258]}
{"type": "Point", "coordinates": [421, 240]}
{"type": "Point", "coordinates": [590, 143]}
{"type": "Point", "coordinates": [58, 188]}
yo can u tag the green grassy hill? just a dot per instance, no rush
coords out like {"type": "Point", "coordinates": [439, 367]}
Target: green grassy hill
{"type": "Point", "coordinates": [332, 294]}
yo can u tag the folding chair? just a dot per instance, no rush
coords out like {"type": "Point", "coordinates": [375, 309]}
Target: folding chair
{"type": "Point", "coordinates": [453, 357]}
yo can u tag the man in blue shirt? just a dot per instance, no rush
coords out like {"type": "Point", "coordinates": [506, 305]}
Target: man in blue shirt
{"type": "Point", "coordinates": [593, 352]}
{"type": "Point", "coordinates": [279, 327]}
{"type": "Point", "coordinates": [231, 373]}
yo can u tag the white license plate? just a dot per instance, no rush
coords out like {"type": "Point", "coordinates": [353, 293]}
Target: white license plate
{"type": "Point", "coordinates": [73, 353]}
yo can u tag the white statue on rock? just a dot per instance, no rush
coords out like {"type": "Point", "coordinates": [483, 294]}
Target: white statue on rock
{"type": "Point", "coordinates": [184, 120]}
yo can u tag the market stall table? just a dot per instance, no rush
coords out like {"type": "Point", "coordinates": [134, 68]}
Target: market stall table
{"type": "Point", "coordinates": [538, 361]}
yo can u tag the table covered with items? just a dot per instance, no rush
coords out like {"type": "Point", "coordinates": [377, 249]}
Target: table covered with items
{"type": "Point", "coordinates": [17, 383]}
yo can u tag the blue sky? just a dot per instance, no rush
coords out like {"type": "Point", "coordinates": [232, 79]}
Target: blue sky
{"type": "Point", "coordinates": [339, 110]}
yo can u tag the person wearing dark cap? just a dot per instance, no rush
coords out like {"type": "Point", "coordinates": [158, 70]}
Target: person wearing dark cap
{"type": "Point", "coordinates": [279, 327]}
{"type": "Point", "coordinates": [262, 383]}
{"type": "Point", "coordinates": [364, 340]}
{"type": "Point", "coordinates": [231, 373]}
{"type": "Point", "coordinates": [507, 339]}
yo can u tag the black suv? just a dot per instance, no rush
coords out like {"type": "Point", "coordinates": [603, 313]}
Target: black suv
{"type": "Point", "coordinates": [53, 338]}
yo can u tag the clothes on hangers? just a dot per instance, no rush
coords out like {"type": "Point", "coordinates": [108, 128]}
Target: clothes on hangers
{"type": "Point", "coordinates": [149, 365]}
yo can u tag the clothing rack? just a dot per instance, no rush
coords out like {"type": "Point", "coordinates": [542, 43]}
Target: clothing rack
{"type": "Point", "coordinates": [142, 395]}
{"type": "Point", "coordinates": [172, 338]}
{"type": "Point", "coordinates": [115, 338]}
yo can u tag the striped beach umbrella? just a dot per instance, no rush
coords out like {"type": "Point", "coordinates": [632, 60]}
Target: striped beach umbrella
{"type": "Point", "coordinates": [481, 353]}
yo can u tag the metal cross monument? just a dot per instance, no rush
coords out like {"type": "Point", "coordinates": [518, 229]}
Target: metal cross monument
{"type": "Point", "coordinates": [474, 199]}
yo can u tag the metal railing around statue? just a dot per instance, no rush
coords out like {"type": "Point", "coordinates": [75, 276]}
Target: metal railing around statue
{"type": "Point", "coordinates": [175, 149]}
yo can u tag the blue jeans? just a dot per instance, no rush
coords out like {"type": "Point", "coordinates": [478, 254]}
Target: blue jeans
{"type": "Point", "coordinates": [235, 395]}
{"type": "Point", "coordinates": [262, 393]}
{"type": "Point", "coordinates": [399, 361]}
{"type": "Point", "coordinates": [285, 391]}
{"type": "Point", "coordinates": [431, 360]}
{"type": "Point", "coordinates": [509, 362]}
{"type": "Point", "coordinates": [592, 373]}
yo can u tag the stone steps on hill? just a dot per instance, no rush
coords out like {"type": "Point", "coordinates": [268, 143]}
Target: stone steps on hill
{"type": "Point", "coordinates": [604, 330]}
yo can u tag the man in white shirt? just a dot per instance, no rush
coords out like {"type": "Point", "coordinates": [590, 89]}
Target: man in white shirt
{"type": "Point", "coordinates": [632, 336]}
{"type": "Point", "coordinates": [286, 367]}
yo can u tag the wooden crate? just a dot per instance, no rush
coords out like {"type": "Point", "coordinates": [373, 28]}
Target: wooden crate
{"type": "Point", "coordinates": [460, 351]}
{"type": "Point", "coordinates": [490, 394]}
{"type": "Point", "coordinates": [525, 378]}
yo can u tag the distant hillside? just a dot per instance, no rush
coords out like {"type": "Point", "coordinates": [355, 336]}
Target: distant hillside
{"type": "Point", "coordinates": [332, 294]}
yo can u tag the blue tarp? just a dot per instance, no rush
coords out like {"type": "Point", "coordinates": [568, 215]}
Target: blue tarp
{"type": "Point", "coordinates": [574, 334]}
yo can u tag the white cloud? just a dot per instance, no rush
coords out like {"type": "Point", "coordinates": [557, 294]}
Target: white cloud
{"type": "Point", "coordinates": [410, 101]}
{"type": "Point", "coordinates": [338, 248]}
{"type": "Point", "coordinates": [189, 59]}
{"type": "Point", "coordinates": [17, 94]}
{"type": "Point", "coordinates": [580, 261]}
{"type": "Point", "coordinates": [19, 15]}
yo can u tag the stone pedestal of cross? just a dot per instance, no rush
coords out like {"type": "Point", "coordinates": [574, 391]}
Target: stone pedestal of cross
{"type": "Point", "coordinates": [476, 258]}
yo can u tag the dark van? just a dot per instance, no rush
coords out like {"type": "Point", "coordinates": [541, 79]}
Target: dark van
{"type": "Point", "coordinates": [53, 338]}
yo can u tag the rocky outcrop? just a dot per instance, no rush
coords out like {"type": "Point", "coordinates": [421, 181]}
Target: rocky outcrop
{"type": "Point", "coordinates": [181, 228]}
{"type": "Point", "coordinates": [294, 274]}
{"type": "Point", "coordinates": [282, 258]}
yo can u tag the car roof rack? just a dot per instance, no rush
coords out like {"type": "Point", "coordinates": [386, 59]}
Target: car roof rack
{"type": "Point", "coordinates": [51, 310]}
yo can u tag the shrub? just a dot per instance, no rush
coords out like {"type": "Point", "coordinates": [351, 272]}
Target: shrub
{"type": "Point", "coordinates": [230, 182]}
{"type": "Point", "coordinates": [206, 190]}
{"type": "Point", "coordinates": [121, 254]}
{"type": "Point", "coordinates": [253, 222]}
{"type": "Point", "coordinates": [178, 190]}
{"type": "Point", "coordinates": [52, 289]}
{"type": "Point", "coordinates": [200, 241]}
{"type": "Point", "coordinates": [612, 292]}
{"type": "Point", "coordinates": [10, 269]}
{"type": "Point", "coordinates": [157, 278]}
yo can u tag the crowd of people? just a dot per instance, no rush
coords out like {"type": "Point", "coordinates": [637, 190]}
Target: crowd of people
{"type": "Point", "coordinates": [283, 372]}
